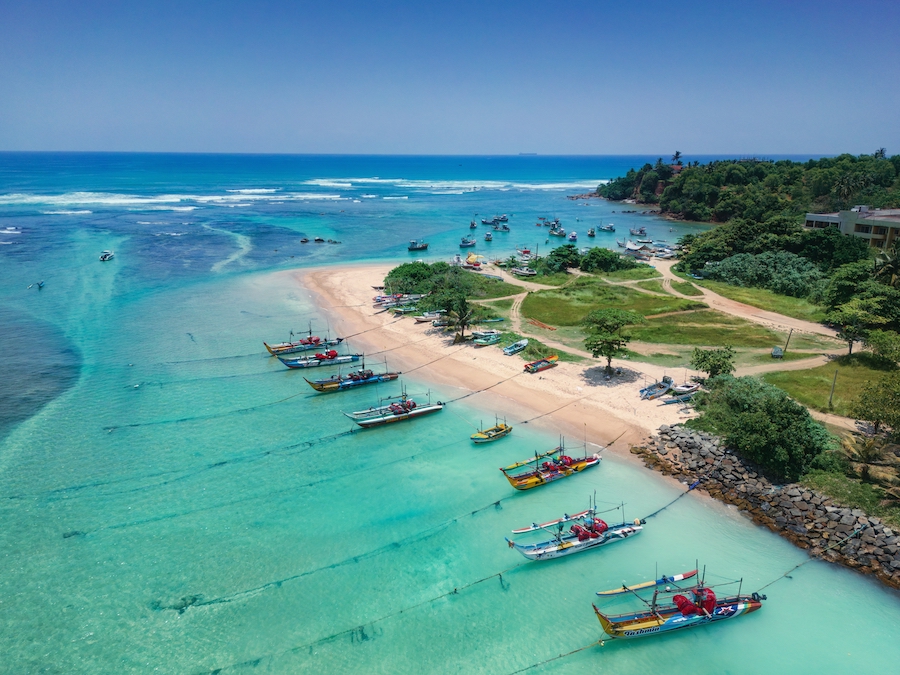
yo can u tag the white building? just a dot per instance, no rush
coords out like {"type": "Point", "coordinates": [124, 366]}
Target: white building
{"type": "Point", "coordinates": [881, 227]}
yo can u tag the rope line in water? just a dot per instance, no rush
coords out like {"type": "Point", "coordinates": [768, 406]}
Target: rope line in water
{"type": "Point", "coordinates": [555, 658]}
{"type": "Point", "coordinates": [348, 631]}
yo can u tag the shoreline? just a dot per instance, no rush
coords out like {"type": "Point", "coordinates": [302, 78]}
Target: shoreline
{"type": "Point", "coordinates": [561, 400]}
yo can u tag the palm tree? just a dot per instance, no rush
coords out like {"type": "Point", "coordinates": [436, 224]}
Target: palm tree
{"type": "Point", "coordinates": [887, 265]}
{"type": "Point", "coordinates": [461, 314]}
{"type": "Point", "coordinates": [676, 158]}
{"type": "Point", "coordinates": [867, 453]}
{"type": "Point", "coordinates": [880, 153]}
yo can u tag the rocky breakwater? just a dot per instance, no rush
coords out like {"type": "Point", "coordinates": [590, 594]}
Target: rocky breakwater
{"type": "Point", "coordinates": [810, 520]}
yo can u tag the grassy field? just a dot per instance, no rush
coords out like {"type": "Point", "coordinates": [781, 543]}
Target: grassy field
{"type": "Point", "coordinates": [812, 387]}
{"type": "Point", "coordinates": [568, 306]}
{"type": "Point", "coordinates": [642, 272]}
{"type": "Point", "coordinates": [686, 288]}
{"type": "Point", "coordinates": [769, 301]}
{"type": "Point", "coordinates": [853, 493]}
{"type": "Point", "coordinates": [651, 285]}
{"type": "Point", "coordinates": [705, 328]}
{"type": "Point", "coordinates": [491, 288]}
{"type": "Point", "coordinates": [756, 358]}
{"type": "Point", "coordinates": [557, 279]}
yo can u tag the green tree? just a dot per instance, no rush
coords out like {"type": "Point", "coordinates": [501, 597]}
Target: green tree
{"type": "Point", "coordinates": [604, 260]}
{"type": "Point", "coordinates": [880, 153]}
{"type": "Point", "coordinates": [461, 312]}
{"type": "Point", "coordinates": [854, 319]}
{"type": "Point", "coordinates": [763, 424]}
{"type": "Point", "coordinates": [561, 258]}
{"type": "Point", "coordinates": [713, 362]}
{"type": "Point", "coordinates": [676, 158]}
{"type": "Point", "coordinates": [879, 403]}
{"type": "Point", "coordinates": [606, 332]}
{"type": "Point", "coordinates": [866, 454]}
{"type": "Point", "coordinates": [887, 266]}
{"type": "Point", "coordinates": [885, 344]}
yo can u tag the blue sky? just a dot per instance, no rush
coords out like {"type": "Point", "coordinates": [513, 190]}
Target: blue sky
{"type": "Point", "coordinates": [592, 77]}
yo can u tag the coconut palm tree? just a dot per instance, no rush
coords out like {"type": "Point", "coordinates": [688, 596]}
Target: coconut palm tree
{"type": "Point", "coordinates": [676, 158]}
{"type": "Point", "coordinates": [880, 153]}
{"type": "Point", "coordinates": [887, 266]}
{"type": "Point", "coordinates": [868, 455]}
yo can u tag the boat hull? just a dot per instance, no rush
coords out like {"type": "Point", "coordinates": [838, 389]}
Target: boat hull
{"type": "Point", "coordinates": [318, 363]}
{"type": "Point", "coordinates": [570, 544]}
{"type": "Point", "coordinates": [390, 417]}
{"type": "Point", "coordinates": [668, 619]}
{"type": "Point", "coordinates": [541, 476]}
{"type": "Point", "coordinates": [492, 434]}
{"type": "Point", "coordinates": [328, 387]}
{"type": "Point", "coordinates": [294, 347]}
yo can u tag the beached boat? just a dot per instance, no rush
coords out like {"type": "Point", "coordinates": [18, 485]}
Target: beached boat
{"type": "Point", "coordinates": [556, 465]}
{"type": "Point", "coordinates": [515, 347]}
{"type": "Point", "coordinates": [607, 228]}
{"type": "Point", "coordinates": [440, 323]}
{"type": "Point", "coordinates": [586, 532]}
{"type": "Point", "coordinates": [638, 232]}
{"type": "Point", "coordinates": [398, 411]}
{"type": "Point", "coordinates": [328, 358]}
{"type": "Point", "coordinates": [523, 272]}
{"type": "Point", "coordinates": [621, 243]}
{"type": "Point", "coordinates": [426, 317]}
{"type": "Point", "coordinates": [687, 608]}
{"type": "Point", "coordinates": [303, 345]}
{"type": "Point", "coordinates": [104, 256]}
{"type": "Point", "coordinates": [357, 378]}
{"type": "Point", "coordinates": [496, 319]}
{"type": "Point", "coordinates": [656, 389]}
{"type": "Point", "coordinates": [417, 245]}
{"type": "Point", "coordinates": [486, 341]}
{"type": "Point", "coordinates": [499, 430]}
{"type": "Point", "coordinates": [485, 333]}
{"type": "Point", "coordinates": [681, 398]}
{"type": "Point", "coordinates": [591, 232]}
{"type": "Point", "coordinates": [467, 242]}
{"type": "Point", "coordinates": [686, 388]}
{"type": "Point", "coordinates": [542, 364]}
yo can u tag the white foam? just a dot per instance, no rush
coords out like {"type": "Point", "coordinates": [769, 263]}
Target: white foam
{"type": "Point", "coordinates": [457, 186]}
{"type": "Point", "coordinates": [81, 212]}
{"type": "Point", "coordinates": [5, 243]}
{"type": "Point", "coordinates": [255, 191]}
{"type": "Point", "coordinates": [329, 183]}
{"type": "Point", "coordinates": [403, 197]}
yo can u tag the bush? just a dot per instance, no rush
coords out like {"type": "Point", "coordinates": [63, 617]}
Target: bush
{"type": "Point", "coordinates": [604, 260]}
{"type": "Point", "coordinates": [781, 272]}
{"type": "Point", "coordinates": [764, 425]}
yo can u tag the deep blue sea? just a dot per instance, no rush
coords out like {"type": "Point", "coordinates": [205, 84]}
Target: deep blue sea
{"type": "Point", "coordinates": [173, 501]}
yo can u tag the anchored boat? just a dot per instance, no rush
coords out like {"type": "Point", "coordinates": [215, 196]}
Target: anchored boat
{"type": "Point", "coordinates": [556, 465]}
{"type": "Point", "coordinates": [301, 345]}
{"type": "Point", "coordinates": [104, 256]}
{"type": "Point", "coordinates": [542, 364]}
{"type": "Point", "coordinates": [587, 531]}
{"type": "Point", "coordinates": [329, 358]}
{"type": "Point", "coordinates": [499, 430]}
{"type": "Point", "coordinates": [683, 608]}
{"type": "Point", "coordinates": [358, 378]}
{"type": "Point", "coordinates": [417, 245]}
{"type": "Point", "coordinates": [403, 409]}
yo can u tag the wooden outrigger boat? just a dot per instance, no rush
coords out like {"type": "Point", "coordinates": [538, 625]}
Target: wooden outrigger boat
{"type": "Point", "coordinates": [301, 345]}
{"type": "Point", "coordinates": [428, 317]}
{"type": "Point", "coordinates": [586, 532]}
{"type": "Point", "coordinates": [542, 364]}
{"type": "Point", "coordinates": [686, 388]}
{"type": "Point", "coordinates": [403, 409]}
{"type": "Point", "coordinates": [607, 228]}
{"type": "Point", "coordinates": [638, 231]}
{"type": "Point", "coordinates": [490, 332]}
{"type": "Point", "coordinates": [556, 466]}
{"type": "Point", "coordinates": [358, 378]}
{"type": "Point", "coordinates": [523, 272]}
{"type": "Point", "coordinates": [688, 608]}
{"type": "Point", "coordinates": [682, 398]}
{"type": "Point", "coordinates": [329, 358]}
{"type": "Point", "coordinates": [649, 584]}
{"type": "Point", "coordinates": [515, 347]}
{"type": "Point", "coordinates": [656, 389]}
{"type": "Point", "coordinates": [499, 430]}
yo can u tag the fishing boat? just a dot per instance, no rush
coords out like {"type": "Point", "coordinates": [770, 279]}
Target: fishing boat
{"type": "Point", "coordinates": [591, 232]}
{"type": "Point", "coordinates": [497, 319]}
{"type": "Point", "coordinates": [523, 272]}
{"type": "Point", "coordinates": [607, 228]}
{"type": "Point", "coordinates": [501, 218]}
{"type": "Point", "coordinates": [398, 411]}
{"type": "Point", "coordinates": [638, 232]}
{"type": "Point", "coordinates": [417, 245]}
{"type": "Point", "coordinates": [486, 341]}
{"type": "Point", "coordinates": [556, 465]}
{"type": "Point", "coordinates": [542, 364]}
{"type": "Point", "coordinates": [426, 317]}
{"type": "Point", "coordinates": [523, 251]}
{"type": "Point", "coordinates": [106, 255]}
{"type": "Point", "coordinates": [303, 345]}
{"type": "Point", "coordinates": [440, 323]}
{"type": "Point", "coordinates": [686, 388]}
{"type": "Point", "coordinates": [488, 236]}
{"type": "Point", "coordinates": [491, 332]}
{"type": "Point", "coordinates": [467, 242]}
{"type": "Point", "coordinates": [573, 236]}
{"type": "Point", "coordinates": [680, 608]}
{"type": "Point", "coordinates": [501, 227]}
{"type": "Point", "coordinates": [473, 225]}
{"type": "Point", "coordinates": [587, 531]}
{"type": "Point", "coordinates": [328, 358]}
{"type": "Point", "coordinates": [621, 243]}
{"type": "Point", "coordinates": [515, 347]}
{"type": "Point", "coordinates": [644, 241]}
{"type": "Point", "coordinates": [557, 232]}
{"type": "Point", "coordinates": [357, 378]}
{"type": "Point", "coordinates": [499, 430]}
{"type": "Point", "coordinates": [656, 389]}
{"type": "Point", "coordinates": [663, 580]}
{"type": "Point", "coordinates": [682, 398]}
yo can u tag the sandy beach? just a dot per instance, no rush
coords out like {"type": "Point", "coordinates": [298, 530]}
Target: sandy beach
{"type": "Point", "coordinates": [572, 399]}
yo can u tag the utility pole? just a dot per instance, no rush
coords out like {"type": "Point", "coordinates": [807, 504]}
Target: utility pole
{"type": "Point", "coordinates": [788, 340]}
{"type": "Point", "coordinates": [831, 395]}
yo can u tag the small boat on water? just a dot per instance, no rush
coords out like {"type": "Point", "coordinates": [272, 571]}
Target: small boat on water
{"type": "Point", "coordinates": [501, 227]}
{"type": "Point", "coordinates": [357, 378]}
{"type": "Point", "coordinates": [542, 364]}
{"type": "Point", "coordinates": [106, 255]}
{"type": "Point", "coordinates": [573, 236]}
{"type": "Point", "coordinates": [417, 245]}
{"type": "Point", "coordinates": [499, 430]}
{"type": "Point", "coordinates": [398, 411]}
{"type": "Point", "coordinates": [467, 242]}
{"type": "Point", "coordinates": [516, 347]}
{"type": "Point", "coordinates": [687, 608]}
{"type": "Point", "coordinates": [591, 232]}
{"type": "Point", "coordinates": [557, 232]}
{"type": "Point", "coordinates": [556, 465]}
{"type": "Point", "coordinates": [523, 272]}
{"type": "Point", "coordinates": [587, 531]}
{"type": "Point", "coordinates": [644, 241]}
{"type": "Point", "coordinates": [621, 243]}
{"type": "Point", "coordinates": [328, 358]}
{"type": "Point", "coordinates": [473, 225]}
{"type": "Point", "coordinates": [656, 389]}
{"type": "Point", "coordinates": [302, 345]}
{"type": "Point", "coordinates": [607, 228]}
{"type": "Point", "coordinates": [638, 231]}
{"type": "Point", "coordinates": [488, 236]}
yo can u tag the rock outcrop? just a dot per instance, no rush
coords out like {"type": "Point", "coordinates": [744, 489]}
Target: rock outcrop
{"type": "Point", "coordinates": [808, 519]}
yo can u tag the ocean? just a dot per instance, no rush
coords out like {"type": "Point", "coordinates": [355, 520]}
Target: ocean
{"type": "Point", "coordinates": [174, 500]}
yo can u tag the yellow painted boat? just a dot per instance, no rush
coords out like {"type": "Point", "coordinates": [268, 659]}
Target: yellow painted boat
{"type": "Point", "coordinates": [555, 466]}
{"type": "Point", "coordinates": [499, 430]}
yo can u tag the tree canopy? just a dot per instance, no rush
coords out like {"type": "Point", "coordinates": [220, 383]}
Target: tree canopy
{"type": "Point", "coordinates": [606, 332]}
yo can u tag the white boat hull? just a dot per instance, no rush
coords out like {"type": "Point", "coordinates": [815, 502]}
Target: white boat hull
{"type": "Point", "coordinates": [570, 543]}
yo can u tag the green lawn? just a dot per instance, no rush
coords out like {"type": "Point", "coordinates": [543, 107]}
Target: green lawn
{"type": "Point", "coordinates": [491, 288]}
{"type": "Point", "coordinates": [812, 387]}
{"type": "Point", "coordinates": [756, 358]}
{"type": "Point", "coordinates": [557, 279]}
{"type": "Point", "coordinates": [537, 349]}
{"type": "Point", "coordinates": [852, 493]}
{"type": "Point", "coordinates": [568, 306]}
{"type": "Point", "coordinates": [767, 300]}
{"type": "Point", "coordinates": [651, 285]}
{"type": "Point", "coordinates": [686, 288]}
{"type": "Point", "coordinates": [642, 272]}
{"type": "Point", "coordinates": [707, 328]}
{"type": "Point", "coordinates": [500, 305]}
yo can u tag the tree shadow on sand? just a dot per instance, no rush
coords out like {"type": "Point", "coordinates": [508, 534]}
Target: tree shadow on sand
{"type": "Point", "coordinates": [597, 376]}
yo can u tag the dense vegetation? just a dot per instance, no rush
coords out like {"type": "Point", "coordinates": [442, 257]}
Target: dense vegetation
{"type": "Point", "coordinates": [567, 257]}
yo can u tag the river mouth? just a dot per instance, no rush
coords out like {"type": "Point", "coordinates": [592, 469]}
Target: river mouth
{"type": "Point", "coordinates": [38, 365]}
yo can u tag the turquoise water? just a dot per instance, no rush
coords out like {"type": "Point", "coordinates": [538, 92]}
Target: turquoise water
{"type": "Point", "coordinates": [177, 502]}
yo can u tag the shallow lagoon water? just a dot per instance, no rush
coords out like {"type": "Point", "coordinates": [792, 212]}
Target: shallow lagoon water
{"type": "Point", "coordinates": [188, 504]}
